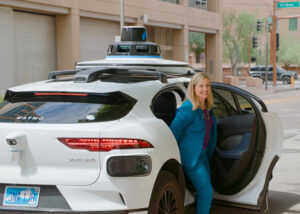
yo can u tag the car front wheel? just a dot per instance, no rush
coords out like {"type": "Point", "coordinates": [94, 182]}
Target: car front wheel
{"type": "Point", "coordinates": [286, 80]}
{"type": "Point", "coordinates": [166, 197]}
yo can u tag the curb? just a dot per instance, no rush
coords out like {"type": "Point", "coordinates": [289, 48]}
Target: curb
{"type": "Point", "coordinates": [286, 89]}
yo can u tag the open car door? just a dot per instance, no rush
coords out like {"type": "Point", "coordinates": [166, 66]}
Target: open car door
{"type": "Point", "coordinates": [248, 146]}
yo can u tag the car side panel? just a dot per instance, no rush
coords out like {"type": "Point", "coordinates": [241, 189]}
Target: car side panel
{"type": "Point", "coordinates": [105, 193]}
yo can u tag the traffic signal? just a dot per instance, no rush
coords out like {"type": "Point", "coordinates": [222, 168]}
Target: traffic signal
{"type": "Point", "coordinates": [277, 41]}
{"type": "Point", "coordinates": [253, 59]}
{"type": "Point", "coordinates": [258, 25]}
{"type": "Point", "coordinates": [254, 42]}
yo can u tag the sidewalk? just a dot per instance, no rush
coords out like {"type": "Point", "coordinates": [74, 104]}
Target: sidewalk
{"type": "Point", "coordinates": [259, 91]}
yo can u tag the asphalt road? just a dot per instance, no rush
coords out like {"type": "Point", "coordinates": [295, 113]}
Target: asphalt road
{"type": "Point", "coordinates": [284, 189]}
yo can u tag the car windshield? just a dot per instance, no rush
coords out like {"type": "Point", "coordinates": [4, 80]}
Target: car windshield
{"type": "Point", "coordinates": [64, 107]}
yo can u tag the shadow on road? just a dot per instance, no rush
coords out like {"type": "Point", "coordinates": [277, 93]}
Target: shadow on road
{"type": "Point", "coordinates": [279, 203]}
{"type": "Point", "coordinates": [283, 202]}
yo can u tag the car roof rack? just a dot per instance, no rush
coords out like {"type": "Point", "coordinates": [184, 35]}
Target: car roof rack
{"type": "Point", "coordinates": [54, 74]}
{"type": "Point", "coordinates": [92, 74]}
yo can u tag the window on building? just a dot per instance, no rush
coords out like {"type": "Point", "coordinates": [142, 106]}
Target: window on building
{"type": "Point", "coordinates": [293, 24]}
{"type": "Point", "coordinates": [201, 4]}
{"type": "Point", "coordinates": [172, 1]}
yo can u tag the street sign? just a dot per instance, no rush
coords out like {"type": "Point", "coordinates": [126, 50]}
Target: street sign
{"type": "Point", "coordinates": [292, 4]}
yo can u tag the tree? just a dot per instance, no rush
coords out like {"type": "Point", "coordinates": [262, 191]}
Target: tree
{"type": "Point", "coordinates": [236, 30]}
{"type": "Point", "coordinates": [197, 43]}
{"type": "Point", "coordinates": [289, 51]}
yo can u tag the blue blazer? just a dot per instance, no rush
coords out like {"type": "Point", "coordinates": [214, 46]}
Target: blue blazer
{"type": "Point", "coordinates": [188, 128]}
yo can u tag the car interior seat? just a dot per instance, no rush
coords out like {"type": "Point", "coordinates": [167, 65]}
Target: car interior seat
{"type": "Point", "coordinates": [164, 107]}
{"type": "Point", "coordinates": [237, 152]}
{"type": "Point", "coordinates": [232, 164]}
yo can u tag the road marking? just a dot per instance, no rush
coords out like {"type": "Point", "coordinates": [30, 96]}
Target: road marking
{"type": "Point", "coordinates": [282, 100]}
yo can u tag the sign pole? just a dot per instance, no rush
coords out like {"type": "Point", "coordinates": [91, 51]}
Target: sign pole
{"type": "Point", "coordinates": [273, 43]}
{"type": "Point", "coordinates": [249, 52]}
{"type": "Point", "coordinates": [267, 56]}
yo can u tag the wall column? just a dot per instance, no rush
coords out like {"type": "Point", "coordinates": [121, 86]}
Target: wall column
{"type": "Point", "coordinates": [213, 44]}
{"type": "Point", "coordinates": [181, 44]}
{"type": "Point", "coordinates": [68, 38]}
{"type": "Point", "coordinates": [213, 56]}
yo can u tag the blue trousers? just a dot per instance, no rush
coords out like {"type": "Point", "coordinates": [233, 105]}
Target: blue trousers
{"type": "Point", "coordinates": [200, 177]}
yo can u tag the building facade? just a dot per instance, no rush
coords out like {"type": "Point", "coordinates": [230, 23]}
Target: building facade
{"type": "Point", "coordinates": [39, 36]}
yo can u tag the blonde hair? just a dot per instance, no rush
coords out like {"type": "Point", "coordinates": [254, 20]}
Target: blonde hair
{"type": "Point", "coordinates": [192, 95]}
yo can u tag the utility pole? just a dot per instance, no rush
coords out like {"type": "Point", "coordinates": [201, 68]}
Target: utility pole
{"type": "Point", "coordinates": [121, 15]}
{"type": "Point", "coordinates": [267, 56]}
{"type": "Point", "coordinates": [273, 42]}
{"type": "Point", "coordinates": [249, 52]}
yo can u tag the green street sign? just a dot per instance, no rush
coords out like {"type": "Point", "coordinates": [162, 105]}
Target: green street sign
{"type": "Point", "coordinates": [293, 4]}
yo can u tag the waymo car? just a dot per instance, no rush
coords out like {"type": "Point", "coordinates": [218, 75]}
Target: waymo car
{"type": "Point", "coordinates": [97, 138]}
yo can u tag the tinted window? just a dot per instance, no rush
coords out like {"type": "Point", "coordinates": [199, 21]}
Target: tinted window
{"type": "Point", "coordinates": [245, 106]}
{"type": "Point", "coordinates": [263, 68]}
{"type": "Point", "coordinates": [224, 105]}
{"type": "Point", "coordinates": [254, 69]}
{"type": "Point", "coordinates": [64, 107]}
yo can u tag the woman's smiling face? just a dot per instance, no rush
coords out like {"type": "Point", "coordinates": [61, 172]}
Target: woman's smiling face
{"type": "Point", "coordinates": [202, 89]}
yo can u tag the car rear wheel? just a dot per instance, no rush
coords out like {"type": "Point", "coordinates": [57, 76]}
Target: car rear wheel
{"type": "Point", "coordinates": [166, 197]}
{"type": "Point", "coordinates": [286, 80]}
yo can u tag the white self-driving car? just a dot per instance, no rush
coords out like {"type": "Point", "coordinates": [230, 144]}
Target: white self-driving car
{"type": "Point", "coordinates": [98, 139]}
{"type": "Point", "coordinates": [101, 142]}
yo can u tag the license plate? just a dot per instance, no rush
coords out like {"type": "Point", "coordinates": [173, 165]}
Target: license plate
{"type": "Point", "coordinates": [21, 196]}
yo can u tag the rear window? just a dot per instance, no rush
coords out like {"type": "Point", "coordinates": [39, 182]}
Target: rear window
{"type": "Point", "coordinates": [52, 107]}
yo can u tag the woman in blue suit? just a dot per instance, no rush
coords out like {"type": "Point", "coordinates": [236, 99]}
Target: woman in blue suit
{"type": "Point", "coordinates": [194, 128]}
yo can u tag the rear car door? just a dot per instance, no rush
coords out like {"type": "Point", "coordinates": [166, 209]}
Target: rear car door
{"type": "Point", "coordinates": [242, 164]}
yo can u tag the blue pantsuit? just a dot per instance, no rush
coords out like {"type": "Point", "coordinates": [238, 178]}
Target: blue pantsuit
{"type": "Point", "coordinates": [188, 128]}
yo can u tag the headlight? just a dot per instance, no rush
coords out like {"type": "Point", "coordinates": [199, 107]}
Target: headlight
{"type": "Point", "coordinates": [123, 166]}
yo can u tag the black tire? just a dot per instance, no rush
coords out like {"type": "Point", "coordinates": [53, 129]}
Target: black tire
{"type": "Point", "coordinates": [286, 80]}
{"type": "Point", "coordinates": [166, 197]}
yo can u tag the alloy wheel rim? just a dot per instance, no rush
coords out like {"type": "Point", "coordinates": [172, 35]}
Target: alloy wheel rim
{"type": "Point", "coordinates": [168, 203]}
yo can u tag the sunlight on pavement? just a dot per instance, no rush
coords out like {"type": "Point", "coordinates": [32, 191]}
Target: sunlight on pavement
{"type": "Point", "coordinates": [281, 100]}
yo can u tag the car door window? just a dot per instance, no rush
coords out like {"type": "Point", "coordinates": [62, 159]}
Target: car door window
{"type": "Point", "coordinates": [245, 106]}
{"type": "Point", "coordinates": [262, 69]}
{"type": "Point", "coordinates": [224, 105]}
